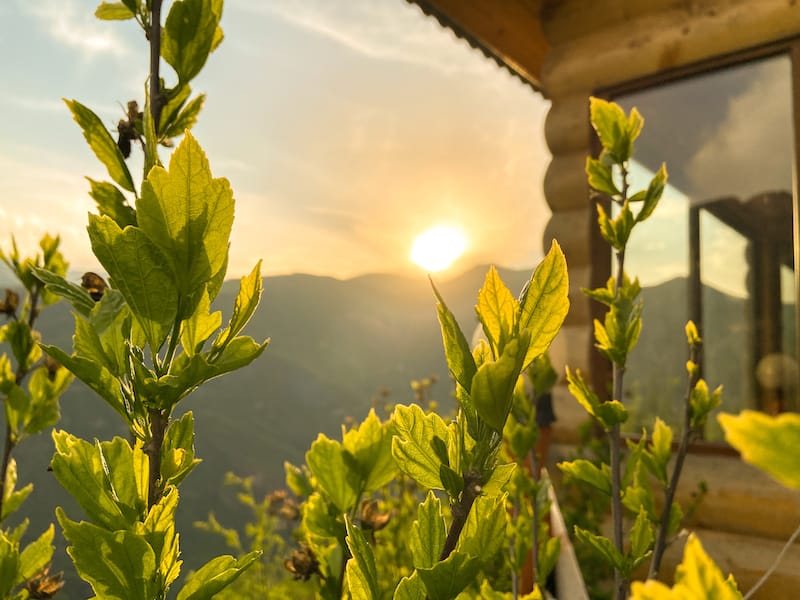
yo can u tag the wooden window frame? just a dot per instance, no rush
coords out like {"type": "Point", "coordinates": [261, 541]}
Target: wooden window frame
{"type": "Point", "coordinates": [602, 261]}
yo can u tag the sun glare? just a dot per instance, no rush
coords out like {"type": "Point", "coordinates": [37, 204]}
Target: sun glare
{"type": "Point", "coordinates": [437, 248]}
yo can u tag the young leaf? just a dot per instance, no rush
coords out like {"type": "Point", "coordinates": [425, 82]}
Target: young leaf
{"type": "Point", "coordinates": [696, 577]}
{"type": "Point", "coordinates": [497, 311]}
{"type": "Point", "coordinates": [113, 11]}
{"type": "Point", "coordinates": [600, 177]}
{"type": "Point", "coordinates": [428, 533]}
{"type": "Point", "coordinates": [216, 575]}
{"type": "Point", "coordinates": [198, 328]}
{"type": "Point", "coordinates": [586, 471]}
{"type": "Point", "coordinates": [189, 35]}
{"type": "Point", "coordinates": [767, 442]}
{"type": "Point", "coordinates": [245, 305]}
{"type": "Point", "coordinates": [602, 547]}
{"type": "Point", "coordinates": [139, 270]}
{"type": "Point", "coordinates": [9, 565]}
{"type": "Point", "coordinates": [607, 413]}
{"type": "Point", "coordinates": [371, 446]}
{"type": "Point", "coordinates": [177, 455]}
{"type": "Point", "coordinates": [102, 144]}
{"type": "Point", "coordinates": [297, 480]}
{"type": "Point", "coordinates": [77, 296]}
{"type": "Point", "coordinates": [446, 579]}
{"type": "Point", "coordinates": [653, 194]}
{"type": "Point", "coordinates": [456, 348]}
{"type": "Point", "coordinates": [339, 482]}
{"type": "Point", "coordinates": [410, 588]}
{"type": "Point", "coordinates": [493, 384]}
{"type": "Point", "coordinates": [611, 125]}
{"type": "Point", "coordinates": [188, 215]}
{"type": "Point", "coordinates": [119, 565]}
{"type": "Point", "coordinates": [641, 538]}
{"type": "Point", "coordinates": [411, 446]}
{"type": "Point", "coordinates": [36, 555]}
{"type": "Point", "coordinates": [544, 303]}
{"type": "Point", "coordinates": [484, 533]}
{"type": "Point", "coordinates": [13, 498]}
{"type": "Point", "coordinates": [186, 118]}
{"type": "Point", "coordinates": [159, 531]}
{"type": "Point", "coordinates": [362, 575]}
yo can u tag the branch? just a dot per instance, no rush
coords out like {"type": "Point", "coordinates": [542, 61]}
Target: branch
{"type": "Point", "coordinates": [472, 489]}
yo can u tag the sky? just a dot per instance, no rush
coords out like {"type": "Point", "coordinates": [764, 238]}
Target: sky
{"type": "Point", "coordinates": [346, 128]}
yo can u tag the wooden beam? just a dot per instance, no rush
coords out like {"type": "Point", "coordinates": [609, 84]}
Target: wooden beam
{"type": "Point", "coordinates": [510, 30]}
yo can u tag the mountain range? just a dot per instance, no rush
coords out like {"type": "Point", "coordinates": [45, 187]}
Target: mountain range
{"type": "Point", "coordinates": [336, 349]}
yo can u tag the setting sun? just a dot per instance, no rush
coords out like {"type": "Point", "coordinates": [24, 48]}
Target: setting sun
{"type": "Point", "coordinates": [437, 248]}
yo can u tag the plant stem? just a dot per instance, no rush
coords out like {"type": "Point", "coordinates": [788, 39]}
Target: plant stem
{"type": "Point", "coordinates": [19, 376]}
{"type": "Point", "coordinates": [536, 515]}
{"type": "Point", "coordinates": [472, 489]}
{"type": "Point", "coordinates": [158, 426]}
{"type": "Point", "coordinates": [154, 37]}
{"type": "Point", "coordinates": [669, 493]}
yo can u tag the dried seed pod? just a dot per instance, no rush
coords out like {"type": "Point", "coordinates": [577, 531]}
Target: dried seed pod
{"type": "Point", "coordinates": [94, 284]}
{"type": "Point", "coordinates": [302, 564]}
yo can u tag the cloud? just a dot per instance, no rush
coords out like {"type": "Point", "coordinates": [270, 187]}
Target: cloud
{"type": "Point", "coordinates": [377, 30]}
{"type": "Point", "coordinates": [69, 23]}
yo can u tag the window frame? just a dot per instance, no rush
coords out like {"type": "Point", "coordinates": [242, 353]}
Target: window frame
{"type": "Point", "coordinates": [602, 253]}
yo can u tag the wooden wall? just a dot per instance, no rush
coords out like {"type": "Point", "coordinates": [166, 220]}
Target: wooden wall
{"type": "Point", "coordinates": [596, 45]}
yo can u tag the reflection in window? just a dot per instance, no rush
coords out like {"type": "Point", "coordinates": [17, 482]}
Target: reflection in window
{"type": "Point", "coordinates": [719, 248]}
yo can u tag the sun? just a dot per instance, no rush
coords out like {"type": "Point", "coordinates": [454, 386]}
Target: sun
{"type": "Point", "coordinates": [436, 248]}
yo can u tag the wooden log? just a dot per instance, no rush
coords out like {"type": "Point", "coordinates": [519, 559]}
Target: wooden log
{"type": "Point", "coordinates": [568, 19]}
{"type": "Point", "coordinates": [655, 42]}
{"type": "Point", "coordinates": [572, 229]}
{"type": "Point", "coordinates": [741, 499]}
{"type": "Point", "coordinates": [565, 186]}
{"type": "Point", "coordinates": [566, 128]}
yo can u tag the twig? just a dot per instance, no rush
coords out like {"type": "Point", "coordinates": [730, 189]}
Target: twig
{"type": "Point", "coordinates": [775, 564]}
{"type": "Point", "coordinates": [472, 489]}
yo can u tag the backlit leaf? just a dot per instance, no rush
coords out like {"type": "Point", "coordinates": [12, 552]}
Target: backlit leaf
{"type": "Point", "coordinates": [497, 311]}
{"type": "Point", "coordinates": [411, 446]}
{"type": "Point", "coordinates": [768, 442]}
{"type": "Point", "coordinates": [326, 459]}
{"type": "Point", "coordinates": [428, 533]}
{"type": "Point", "coordinates": [101, 143]}
{"type": "Point", "coordinates": [215, 576]}
{"type": "Point", "coordinates": [362, 575]}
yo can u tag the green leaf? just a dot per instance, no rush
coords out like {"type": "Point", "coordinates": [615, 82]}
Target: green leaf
{"type": "Point", "coordinates": [660, 449]}
{"type": "Point", "coordinates": [159, 531]}
{"type": "Point", "coordinates": [198, 328]}
{"type": "Point", "coordinates": [340, 483]}
{"type": "Point", "coordinates": [607, 229]}
{"type": "Point", "coordinates": [36, 555]}
{"type": "Point", "coordinates": [9, 565]}
{"type": "Point", "coordinates": [501, 475]}
{"type": "Point", "coordinates": [78, 467]}
{"type": "Point", "coordinates": [701, 403]}
{"type": "Point", "coordinates": [607, 413]}
{"type": "Point", "coordinates": [371, 446]}
{"type": "Point", "coordinates": [493, 385]}
{"type": "Point", "coordinates": [600, 177]}
{"type": "Point", "coordinates": [497, 311]}
{"type": "Point", "coordinates": [188, 215]}
{"type": "Point", "coordinates": [137, 269]}
{"type": "Point", "coordinates": [190, 35]}
{"type": "Point", "coordinates": [611, 125]}
{"type": "Point", "coordinates": [119, 565]}
{"type": "Point", "coordinates": [319, 520]}
{"type": "Point", "coordinates": [446, 579]}
{"type": "Point", "coordinates": [44, 393]}
{"type": "Point", "coordinates": [549, 552]}
{"type": "Point", "coordinates": [641, 538]}
{"type": "Point", "coordinates": [411, 446]}
{"type": "Point", "coordinates": [586, 471]}
{"type": "Point", "coordinates": [696, 577]}
{"type": "Point", "coordinates": [484, 533]}
{"type": "Point", "coordinates": [544, 303]}
{"type": "Point", "coordinates": [428, 533]}
{"type": "Point", "coordinates": [113, 11]}
{"type": "Point", "coordinates": [13, 498]}
{"type": "Point", "coordinates": [456, 348]}
{"type": "Point", "coordinates": [410, 588]}
{"type": "Point", "coordinates": [654, 191]}
{"type": "Point", "coordinates": [215, 576]}
{"type": "Point", "coordinates": [186, 118]}
{"type": "Point", "coordinates": [767, 442]}
{"type": "Point", "coordinates": [177, 97]}
{"type": "Point", "coordinates": [177, 454]}
{"type": "Point", "coordinates": [245, 306]}
{"type": "Point", "coordinates": [297, 480]}
{"type": "Point", "coordinates": [601, 547]}
{"type": "Point", "coordinates": [111, 202]}
{"type": "Point", "coordinates": [77, 296]}
{"type": "Point", "coordinates": [362, 575]}
{"type": "Point", "coordinates": [95, 376]}
{"type": "Point", "coordinates": [102, 144]}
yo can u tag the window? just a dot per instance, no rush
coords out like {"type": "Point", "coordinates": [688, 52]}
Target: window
{"type": "Point", "coordinates": [720, 247]}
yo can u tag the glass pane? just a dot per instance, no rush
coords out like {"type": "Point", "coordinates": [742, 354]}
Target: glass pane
{"type": "Point", "coordinates": [719, 247]}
